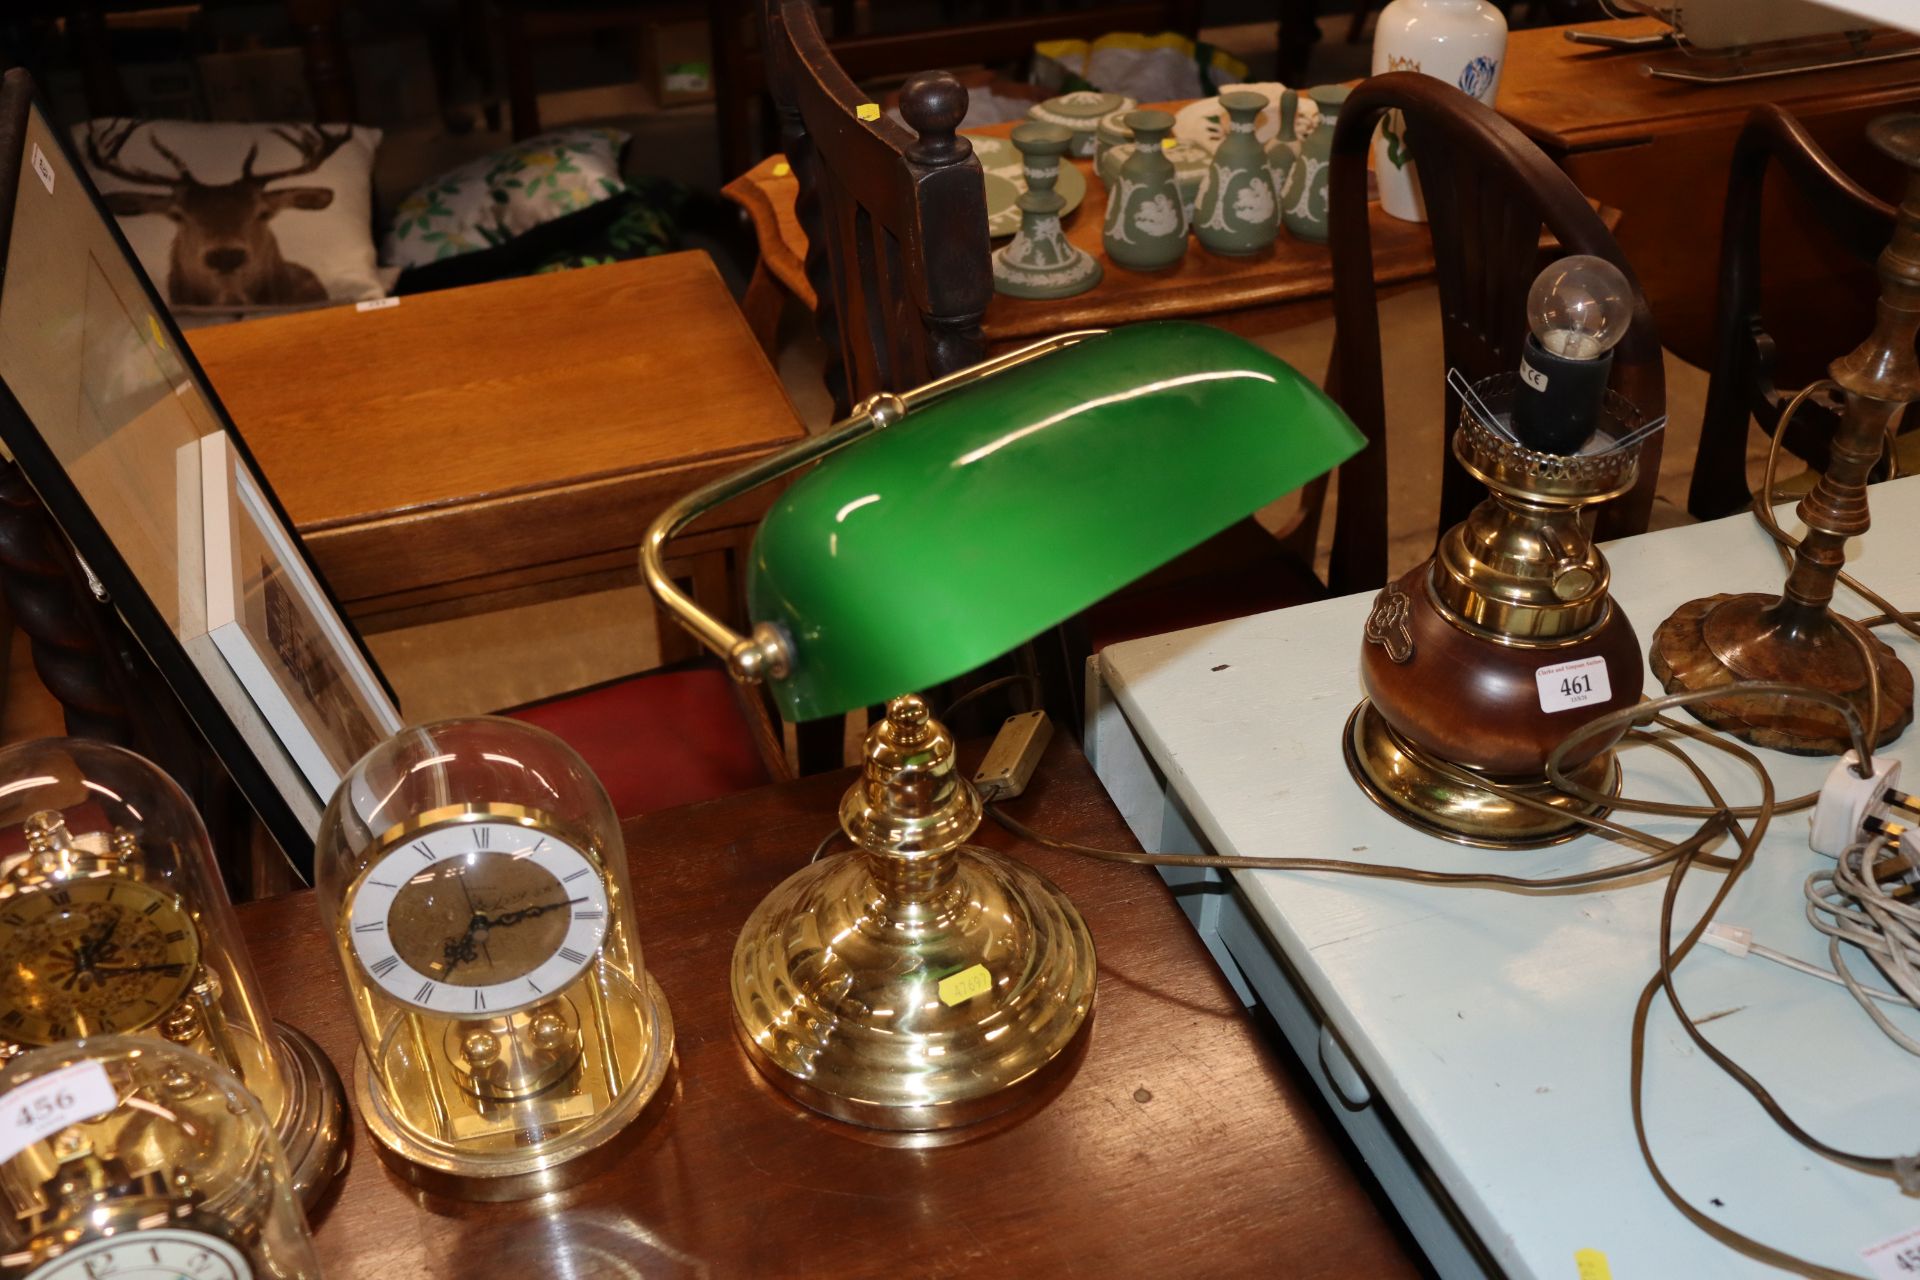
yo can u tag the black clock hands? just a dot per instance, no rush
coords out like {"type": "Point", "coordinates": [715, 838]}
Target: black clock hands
{"type": "Point", "coordinates": [466, 948]}
{"type": "Point", "coordinates": [121, 971]}
{"type": "Point", "coordinates": [86, 956]}
{"type": "Point", "coordinates": [528, 913]}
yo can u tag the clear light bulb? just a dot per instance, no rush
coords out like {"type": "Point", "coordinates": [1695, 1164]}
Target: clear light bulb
{"type": "Point", "coordinates": [1579, 307]}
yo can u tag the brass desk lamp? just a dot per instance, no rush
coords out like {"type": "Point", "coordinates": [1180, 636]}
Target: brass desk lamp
{"type": "Point", "coordinates": [921, 983]}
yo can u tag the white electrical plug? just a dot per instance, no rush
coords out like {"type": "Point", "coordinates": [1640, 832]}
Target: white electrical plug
{"type": "Point", "coordinates": [1847, 800]}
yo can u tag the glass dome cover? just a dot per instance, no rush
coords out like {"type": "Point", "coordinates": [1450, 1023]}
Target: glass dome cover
{"type": "Point", "coordinates": [114, 919]}
{"type": "Point", "coordinates": [163, 1158]}
{"type": "Point", "coordinates": [474, 879]}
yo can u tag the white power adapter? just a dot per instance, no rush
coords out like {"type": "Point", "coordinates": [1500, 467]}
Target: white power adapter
{"type": "Point", "coordinates": [1849, 802]}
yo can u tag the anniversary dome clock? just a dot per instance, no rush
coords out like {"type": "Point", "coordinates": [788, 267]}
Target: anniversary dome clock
{"type": "Point", "coordinates": [113, 919]}
{"type": "Point", "coordinates": [136, 1159]}
{"type": "Point", "coordinates": [474, 879]}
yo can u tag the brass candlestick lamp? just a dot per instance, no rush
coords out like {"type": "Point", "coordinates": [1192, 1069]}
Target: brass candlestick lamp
{"type": "Point", "coordinates": [921, 983]}
{"type": "Point", "coordinates": [1794, 636]}
{"type": "Point", "coordinates": [1479, 662]}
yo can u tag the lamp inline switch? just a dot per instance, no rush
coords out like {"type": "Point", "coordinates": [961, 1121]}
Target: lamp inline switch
{"type": "Point", "coordinates": [1011, 760]}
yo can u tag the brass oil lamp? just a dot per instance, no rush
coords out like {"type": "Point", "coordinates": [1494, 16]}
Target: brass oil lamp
{"type": "Point", "coordinates": [1479, 662]}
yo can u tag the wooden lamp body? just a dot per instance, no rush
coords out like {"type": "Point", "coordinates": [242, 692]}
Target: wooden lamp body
{"type": "Point", "coordinates": [1455, 648]}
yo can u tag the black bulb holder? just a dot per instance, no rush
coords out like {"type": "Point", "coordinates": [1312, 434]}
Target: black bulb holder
{"type": "Point", "coordinates": [1557, 402]}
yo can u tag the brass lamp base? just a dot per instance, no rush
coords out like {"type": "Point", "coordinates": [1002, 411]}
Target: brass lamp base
{"type": "Point", "coordinates": [1717, 640]}
{"type": "Point", "coordinates": [582, 1121]}
{"type": "Point", "coordinates": [1425, 794]}
{"type": "Point", "coordinates": [920, 1016]}
{"type": "Point", "coordinates": [312, 1125]}
{"type": "Point", "coordinates": [920, 983]}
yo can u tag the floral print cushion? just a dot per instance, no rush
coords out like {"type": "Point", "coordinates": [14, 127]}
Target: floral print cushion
{"type": "Point", "coordinates": [490, 201]}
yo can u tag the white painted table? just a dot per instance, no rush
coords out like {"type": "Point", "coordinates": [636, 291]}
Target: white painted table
{"type": "Point", "coordinates": [1475, 1042]}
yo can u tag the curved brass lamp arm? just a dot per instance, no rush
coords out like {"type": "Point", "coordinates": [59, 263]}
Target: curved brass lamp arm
{"type": "Point", "coordinates": [768, 652]}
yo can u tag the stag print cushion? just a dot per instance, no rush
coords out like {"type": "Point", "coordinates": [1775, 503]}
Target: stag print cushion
{"type": "Point", "coordinates": [239, 219]}
{"type": "Point", "coordinates": [489, 201]}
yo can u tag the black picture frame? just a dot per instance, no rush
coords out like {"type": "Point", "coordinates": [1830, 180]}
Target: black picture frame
{"type": "Point", "coordinates": [77, 520]}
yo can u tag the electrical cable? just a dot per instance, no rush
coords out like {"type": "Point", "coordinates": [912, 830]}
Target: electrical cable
{"type": "Point", "coordinates": [1848, 904]}
{"type": "Point", "coordinates": [1825, 975]}
{"type": "Point", "coordinates": [1717, 818]}
{"type": "Point", "coordinates": [1026, 680]}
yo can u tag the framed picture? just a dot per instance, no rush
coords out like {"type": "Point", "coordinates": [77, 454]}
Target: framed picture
{"type": "Point", "coordinates": [114, 424]}
{"type": "Point", "coordinates": [272, 622]}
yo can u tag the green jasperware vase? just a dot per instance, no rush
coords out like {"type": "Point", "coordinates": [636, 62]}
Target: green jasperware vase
{"type": "Point", "coordinates": [1303, 204]}
{"type": "Point", "coordinates": [1146, 226]}
{"type": "Point", "coordinates": [1235, 212]}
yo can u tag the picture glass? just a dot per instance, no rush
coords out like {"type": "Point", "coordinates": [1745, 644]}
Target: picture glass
{"type": "Point", "coordinates": [142, 445]}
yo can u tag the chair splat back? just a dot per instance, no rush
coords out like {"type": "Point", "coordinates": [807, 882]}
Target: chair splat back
{"type": "Point", "coordinates": [896, 218]}
{"type": "Point", "coordinates": [1489, 193]}
{"type": "Point", "coordinates": [1747, 365]}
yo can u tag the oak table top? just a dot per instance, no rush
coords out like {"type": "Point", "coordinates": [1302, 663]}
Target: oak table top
{"type": "Point", "coordinates": [1576, 97]}
{"type": "Point", "coordinates": [465, 432]}
{"type": "Point", "coordinates": [1179, 1145]}
{"type": "Point", "coordinates": [1202, 285]}
{"type": "Point", "coordinates": [1661, 152]}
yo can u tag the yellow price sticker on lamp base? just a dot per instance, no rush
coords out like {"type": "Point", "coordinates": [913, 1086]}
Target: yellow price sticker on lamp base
{"type": "Point", "coordinates": [867, 111]}
{"type": "Point", "coordinates": [958, 988]}
{"type": "Point", "coordinates": [1592, 1264]}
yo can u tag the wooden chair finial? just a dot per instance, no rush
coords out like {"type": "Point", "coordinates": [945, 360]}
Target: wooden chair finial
{"type": "Point", "coordinates": [933, 104]}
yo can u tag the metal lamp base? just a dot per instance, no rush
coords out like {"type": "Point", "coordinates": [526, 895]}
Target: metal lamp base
{"type": "Point", "coordinates": [917, 1013]}
{"type": "Point", "coordinates": [1424, 793]}
{"type": "Point", "coordinates": [543, 1164]}
{"type": "Point", "coordinates": [312, 1125]}
{"type": "Point", "coordinates": [1717, 640]}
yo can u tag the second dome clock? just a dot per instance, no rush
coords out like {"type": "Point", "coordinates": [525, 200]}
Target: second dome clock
{"type": "Point", "coordinates": [475, 882]}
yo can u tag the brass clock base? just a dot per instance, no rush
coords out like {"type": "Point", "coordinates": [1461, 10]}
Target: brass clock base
{"type": "Point", "coordinates": [1410, 785]}
{"type": "Point", "coordinates": [312, 1123]}
{"type": "Point", "coordinates": [1716, 640]}
{"type": "Point", "coordinates": [519, 1172]}
{"type": "Point", "coordinates": [925, 1013]}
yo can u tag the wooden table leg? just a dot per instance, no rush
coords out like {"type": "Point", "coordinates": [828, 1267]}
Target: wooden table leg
{"type": "Point", "coordinates": [764, 301]}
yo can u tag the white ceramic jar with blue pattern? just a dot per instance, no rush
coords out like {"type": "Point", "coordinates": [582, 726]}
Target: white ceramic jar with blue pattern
{"type": "Point", "coordinates": [1463, 42]}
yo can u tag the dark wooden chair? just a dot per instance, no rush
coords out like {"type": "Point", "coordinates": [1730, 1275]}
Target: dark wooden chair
{"type": "Point", "coordinates": [899, 257]}
{"type": "Point", "coordinates": [1006, 30]}
{"type": "Point", "coordinates": [896, 218]}
{"type": "Point", "coordinates": [1489, 193]}
{"type": "Point", "coordinates": [1831, 218]}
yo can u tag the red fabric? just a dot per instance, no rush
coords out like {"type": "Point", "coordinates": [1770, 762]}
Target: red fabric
{"type": "Point", "coordinates": [657, 740]}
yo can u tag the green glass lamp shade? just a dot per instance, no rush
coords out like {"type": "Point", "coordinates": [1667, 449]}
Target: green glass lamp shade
{"type": "Point", "coordinates": [994, 512]}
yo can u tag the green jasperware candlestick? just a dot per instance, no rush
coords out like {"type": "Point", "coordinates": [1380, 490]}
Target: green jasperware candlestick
{"type": "Point", "coordinates": [1039, 262]}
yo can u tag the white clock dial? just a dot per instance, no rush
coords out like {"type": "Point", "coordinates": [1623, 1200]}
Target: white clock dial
{"type": "Point", "coordinates": [160, 1253]}
{"type": "Point", "coordinates": [474, 919]}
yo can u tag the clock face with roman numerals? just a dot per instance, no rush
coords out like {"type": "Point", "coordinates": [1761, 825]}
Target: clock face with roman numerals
{"type": "Point", "coordinates": [477, 918]}
{"type": "Point", "coordinates": [92, 955]}
{"type": "Point", "coordinates": [159, 1253]}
